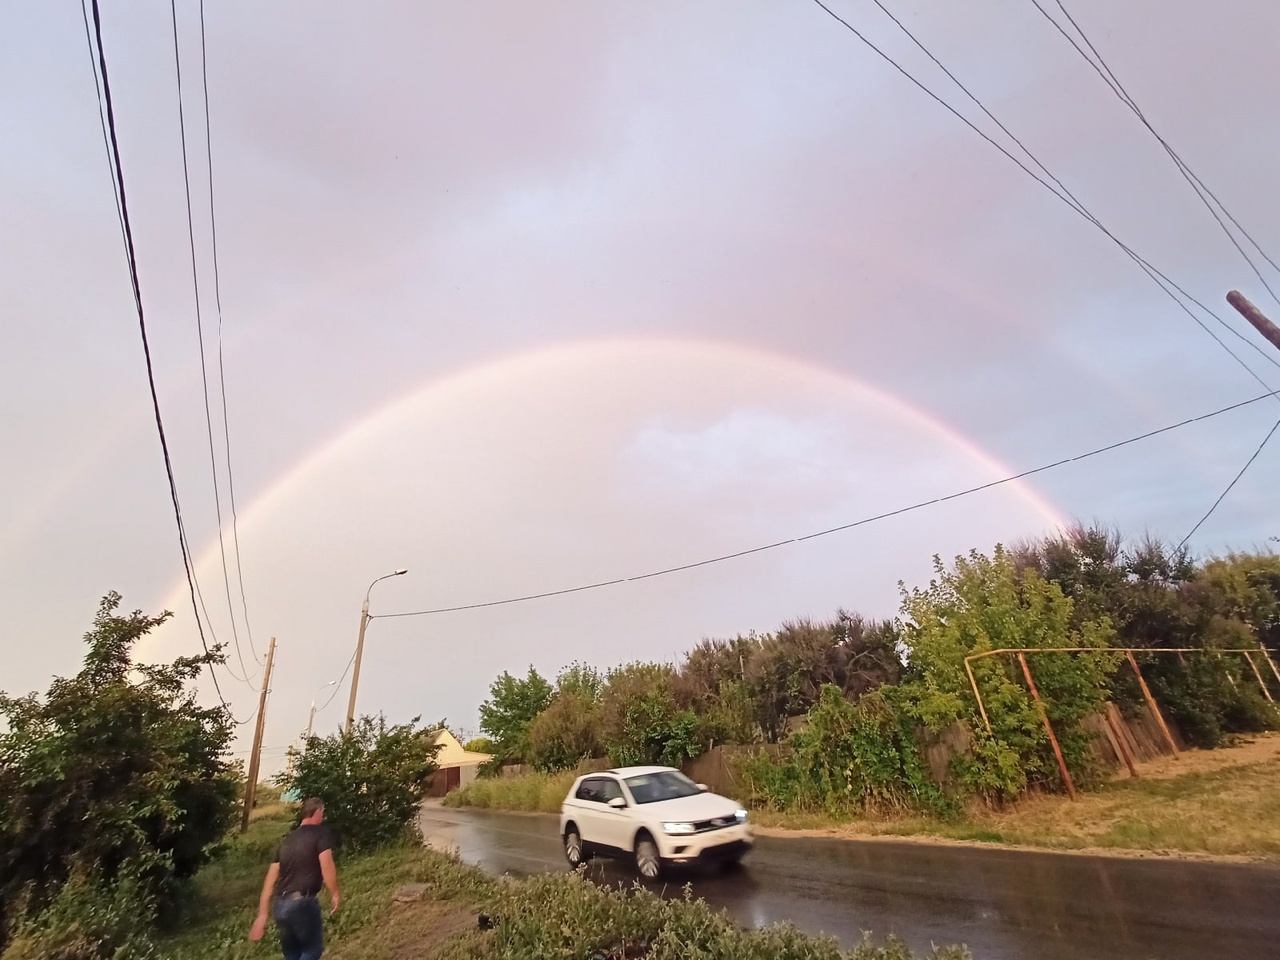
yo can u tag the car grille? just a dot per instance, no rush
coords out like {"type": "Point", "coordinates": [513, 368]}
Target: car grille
{"type": "Point", "coordinates": [718, 823]}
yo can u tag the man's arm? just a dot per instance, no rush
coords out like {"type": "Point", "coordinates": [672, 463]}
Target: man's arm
{"type": "Point", "coordinates": [329, 870]}
{"type": "Point", "coordinates": [264, 902]}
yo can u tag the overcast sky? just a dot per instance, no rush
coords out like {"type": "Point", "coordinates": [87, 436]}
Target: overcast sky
{"type": "Point", "coordinates": [526, 296]}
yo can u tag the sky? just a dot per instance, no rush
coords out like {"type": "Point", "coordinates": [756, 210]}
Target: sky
{"type": "Point", "coordinates": [525, 297]}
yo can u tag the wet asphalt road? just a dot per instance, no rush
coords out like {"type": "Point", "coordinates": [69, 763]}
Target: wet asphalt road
{"type": "Point", "coordinates": [1004, 905]}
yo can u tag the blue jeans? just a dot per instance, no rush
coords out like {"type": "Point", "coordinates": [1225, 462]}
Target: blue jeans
{"type": "Point", "coordinates": [301, 928]}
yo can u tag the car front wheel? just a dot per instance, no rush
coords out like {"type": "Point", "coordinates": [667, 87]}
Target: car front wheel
{"type": "Point", "coordinates": [648, 860]}
{"type": "Point", "coordinates": [573, 849]}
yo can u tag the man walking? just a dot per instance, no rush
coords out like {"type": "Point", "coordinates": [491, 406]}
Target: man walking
{"type": "Point", "coordinates": [303, 863]}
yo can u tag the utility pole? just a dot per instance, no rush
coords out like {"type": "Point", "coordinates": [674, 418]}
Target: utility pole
{"type": "Point", "coordinates": [1255, 317]}
{"type": "Point", "coordinates": [310, 722]}
{"type": "Point", "coordinates": [364, 623]}
{"type": "Point", "coordinates": [255, 755]}
{"type": "Point", "coordinates": [355, 673]}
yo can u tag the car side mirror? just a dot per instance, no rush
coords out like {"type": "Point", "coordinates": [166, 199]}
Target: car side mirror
{"type": "Point", "coordinates": [703, 787]}
{"type": "Point", "coordinates": [617, 803]}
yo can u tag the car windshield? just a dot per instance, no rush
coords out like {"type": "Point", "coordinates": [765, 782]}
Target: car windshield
{"type": "Point", "coordinates": [656, 787]}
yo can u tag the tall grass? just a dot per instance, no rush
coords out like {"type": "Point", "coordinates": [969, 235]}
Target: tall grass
{"type": "Point", "coordinates": [529, 792]}
{"type": "Point", "coordinates": [559, 916]}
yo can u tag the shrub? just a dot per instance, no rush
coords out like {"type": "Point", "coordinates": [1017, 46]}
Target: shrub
{"type": "Point", "coordinates": [850, 757]}
{"type": "Point", "coordinates": [89, 920]}
{"type": "Point", "coordinates": [984, 604]}
{"type": "Point", "coordinates": [118, 774]}
{"type": "Point", "coordinates": [564, 917]}
{"type": "Point", "coordinates": [565, 733]}
{"type": "Point", "coordinates": [642, 722]}
{"type": "Point", "coordinates": [371, 780]}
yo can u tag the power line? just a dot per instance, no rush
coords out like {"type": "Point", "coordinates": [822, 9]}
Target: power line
{"type": "Point", "coordinates": [204, 377]}
{"type": "Point", "coordinates": [217, 297]}
{"type": "Point", "coordinates": [338, 686]}
{"type": "Point", "coordinates": [113, 159]}
{"type": "Point", "coordinates": [847, 526]}
{"type": "Point", "coordinates": [1202, 191]}
{"type": "Point", "coordinates": [1061, 192]}
{"type": "Point", "coordinates": [1231, 486]}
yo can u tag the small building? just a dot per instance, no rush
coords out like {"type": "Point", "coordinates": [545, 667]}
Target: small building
{"type": "Point", "coordinates": [456, 765]}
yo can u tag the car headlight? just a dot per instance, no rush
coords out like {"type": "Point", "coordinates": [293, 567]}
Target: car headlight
{"type": "Point", "coordinates": [741, 816]}
{"type": "Point", "coordinates": [679, 828]}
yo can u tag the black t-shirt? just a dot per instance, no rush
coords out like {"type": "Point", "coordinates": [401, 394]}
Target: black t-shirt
{"type": "Point", "coordinates": [299, 859]}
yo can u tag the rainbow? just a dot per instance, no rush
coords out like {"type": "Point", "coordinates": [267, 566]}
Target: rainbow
{"type": "Point", "coordinates": [498, 374]}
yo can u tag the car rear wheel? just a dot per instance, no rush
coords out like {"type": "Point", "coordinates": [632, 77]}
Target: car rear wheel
{"type": "Point", "coordinates": [574, 851]}
{"type": "Point", "coordinates": [648, 860]}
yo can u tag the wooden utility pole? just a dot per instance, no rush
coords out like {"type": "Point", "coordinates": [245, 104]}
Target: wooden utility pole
{"type": "Point", "coordinates": [255, 754]}
{"type": "Point", "coordinates": [355, 675]}
{"type": "Point", "coordinates": [1255, 317]}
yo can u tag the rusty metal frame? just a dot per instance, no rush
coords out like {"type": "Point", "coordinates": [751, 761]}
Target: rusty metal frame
{"type": "Point", "coordinates": [1129, 652]}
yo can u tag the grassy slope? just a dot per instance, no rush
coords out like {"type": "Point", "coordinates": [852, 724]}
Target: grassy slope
{"type": "Point", "coordinates": [543, 918]}
{"type": "Point", "coordinates": [1223, 803]}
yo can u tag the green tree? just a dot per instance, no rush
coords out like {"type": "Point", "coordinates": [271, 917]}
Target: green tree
{"type": "Point", "coordinates": [711, 682]}
{"type": "Point", "coordinates": [116, 776]}
{"type": "Point", "coordinates": [371, 781]}
{"type": "Point", "coordinates": [984, 604]}
{"type": "Point", "coordinates": [787, 672]}
{"type": "Point", "coordinates": [510, 709]}
{"type": "Point", "coordinates": [641, 721]}
{"type": "Point", "coordinates": [568, 730]}
{"type": "Point", "coordinates": [1157, 597]}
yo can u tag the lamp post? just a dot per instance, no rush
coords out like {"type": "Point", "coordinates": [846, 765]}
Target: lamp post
{"type": "Point", "coordinates": [364, 622]}
{"type": "Point", "coordinates": [312, 718]}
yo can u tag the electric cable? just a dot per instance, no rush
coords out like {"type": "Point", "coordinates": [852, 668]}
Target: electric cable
{"type": "Point", "coordinates": [830, 530]}
{"type": "Point", "coordinates": [113, 160]}
{"type": "Point", "coordinates": [204, 376]}
{"type": "Point", "coordinates": [1231, 486]}
{"type": "Point", "coordinates": [1065, 195]}
{"type": "Point", "coordinates": [222, 380]}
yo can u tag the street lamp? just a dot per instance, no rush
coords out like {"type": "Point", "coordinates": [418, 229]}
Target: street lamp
{"type": "Point", "coordinates": [311, 719]}
{"type": "Point", "coordinates": [364, 622]}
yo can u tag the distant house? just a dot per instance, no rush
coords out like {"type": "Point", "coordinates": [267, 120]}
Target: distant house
{"type": "Point", "coordinates": [457, 766]}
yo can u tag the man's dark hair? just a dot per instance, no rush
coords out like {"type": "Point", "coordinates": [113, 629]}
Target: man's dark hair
{"type": "Point", "coordinates": [311, 806]}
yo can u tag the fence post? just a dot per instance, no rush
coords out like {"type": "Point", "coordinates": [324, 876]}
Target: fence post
{"type": "Point", "coordinates": [1272, 663]}
{"type": "Point", "coordinates": [1151, 704]}
{"type": "Point", "coordinates": [1258, 673]}
{"type": "Point", "coordinates": [977, 693]}
{"type": "Point", "coordinates": [1044, 715]}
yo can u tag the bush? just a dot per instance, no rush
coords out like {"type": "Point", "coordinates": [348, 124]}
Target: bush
{"type": "Point", "coordinates": [89, 920]}
{"type": "Point", "coordinates": [564, 917]}
{"type": "Point", "coordinates": [984, 604]}
{"type": "Point", "coordinates": [566, 733]}
{"type": "Point", "coordinates": [642, 722]}
{"type": "Point", "coordinates": [372, 781]}
{"type": "Point", "coordinates": [851, 757]}
{"type": "Point", "coordinates": [117, 775]}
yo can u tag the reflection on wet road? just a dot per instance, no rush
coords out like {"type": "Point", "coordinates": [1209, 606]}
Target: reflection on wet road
{"type": "Point", "coordinates": [1005, 905]}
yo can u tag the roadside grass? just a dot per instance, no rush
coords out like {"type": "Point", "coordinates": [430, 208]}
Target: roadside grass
{"type": "Point", "coordinates": [1216, 808]}
{"type": "Point", "coordinates": [1217, 803]}
{"type": "Point", "coordinates": [530, 793]}
{"type": "Point", "coordinates": [556, 916]}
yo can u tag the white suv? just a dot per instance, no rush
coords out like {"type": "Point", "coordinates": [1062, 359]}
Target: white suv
{"type": "Point", "coordinates": [654, 815]}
